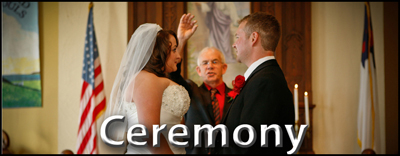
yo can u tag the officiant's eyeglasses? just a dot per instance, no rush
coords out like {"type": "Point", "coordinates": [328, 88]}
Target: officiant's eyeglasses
{"type": "Point", "coordinates": [204, 63]}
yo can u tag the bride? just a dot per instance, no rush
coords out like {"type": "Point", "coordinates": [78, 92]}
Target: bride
{"type": "Point", "coordinates": [143, 93]}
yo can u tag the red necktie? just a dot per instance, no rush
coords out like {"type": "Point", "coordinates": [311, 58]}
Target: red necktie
{"type": "Point", "coordinates": [214, 102]}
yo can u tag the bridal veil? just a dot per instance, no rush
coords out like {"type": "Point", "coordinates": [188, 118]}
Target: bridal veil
{"type": "Point", "coordinates": [136, 56]}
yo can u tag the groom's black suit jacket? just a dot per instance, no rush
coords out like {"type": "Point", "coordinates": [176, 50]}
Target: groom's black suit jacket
{"type": "Point", "coordinates": [200, 111]}
{"type": "Point", "coordinates": [264, 99]}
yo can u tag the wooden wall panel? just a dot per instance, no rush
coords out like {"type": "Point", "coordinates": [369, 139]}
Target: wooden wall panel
{"type": "Point", "coordinates": [165, 14]}
{"type": "Point", "coordinates": [295, 56]}
{"type": "Point", "coordinates": [172, 12]}
{"type": "Point", "coordinates": [143, 12]}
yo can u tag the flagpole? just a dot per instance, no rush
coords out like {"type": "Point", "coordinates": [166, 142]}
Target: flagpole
{"type": "Point", "coordinates": [370, 72]}
{"type": "Point", "coordinates": [90, 5]}
{"type": "Point", "coordinates": [93, 100]}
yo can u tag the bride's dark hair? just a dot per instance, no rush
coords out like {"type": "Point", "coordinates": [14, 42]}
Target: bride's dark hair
{"type": "Point", "coordinates": [159, 57]}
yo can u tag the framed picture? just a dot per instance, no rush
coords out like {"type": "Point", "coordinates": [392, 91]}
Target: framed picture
{"type": "Point", "coordinates": [217, 23]}
{"type": "Point", "coordinates": [21, 83]}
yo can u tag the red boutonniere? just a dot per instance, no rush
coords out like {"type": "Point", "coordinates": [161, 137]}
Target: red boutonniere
{"type": "Point", "coordinates": [237, 84]}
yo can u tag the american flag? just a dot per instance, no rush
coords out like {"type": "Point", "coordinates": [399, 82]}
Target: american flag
{"type": "Point", "coordinates": [368, 133]}
{"type": "Point", "coordinates": [93, 100]}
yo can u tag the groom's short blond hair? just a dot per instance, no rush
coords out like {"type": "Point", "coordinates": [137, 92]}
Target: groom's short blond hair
{"type": "Point", "coordinates": [266, 25]}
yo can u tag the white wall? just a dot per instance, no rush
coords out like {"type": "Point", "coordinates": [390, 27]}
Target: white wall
{"type": "Point", "coordinates": [110, 21]}
{"type": "Point", "coordinates": [337, 31]}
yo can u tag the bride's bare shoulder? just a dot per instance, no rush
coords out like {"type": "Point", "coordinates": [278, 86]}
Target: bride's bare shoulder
{"type": "Point", "coordinates": [148, 79]}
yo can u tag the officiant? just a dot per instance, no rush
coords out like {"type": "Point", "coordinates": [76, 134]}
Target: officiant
{"type": "Point", "coordinates": [210, 100]}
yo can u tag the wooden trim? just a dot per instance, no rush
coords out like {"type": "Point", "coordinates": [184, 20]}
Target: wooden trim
{"type": "Point", "coordinates": [185, 57]}
{"type": "Point", "coordinates": [278, 16]}
{"type": "Point", "coordinates": [159, 13]}
{"type": "Point", "coordinates": [130, 19]}
{"type": "Point", "coordinates": [307, 49]}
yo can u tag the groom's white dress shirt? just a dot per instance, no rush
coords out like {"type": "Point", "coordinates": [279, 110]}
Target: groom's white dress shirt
{"type": "Point", "coordinates": [254, 65]}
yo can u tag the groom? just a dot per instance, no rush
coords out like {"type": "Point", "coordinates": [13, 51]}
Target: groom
{"type": "Point", "coordinates": [265, 97]}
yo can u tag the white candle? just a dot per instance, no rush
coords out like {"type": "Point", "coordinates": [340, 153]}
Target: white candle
{"type": "Point", "coordinates": [306, 108]}
{"type": "Point", "coordinates": [296, 103]}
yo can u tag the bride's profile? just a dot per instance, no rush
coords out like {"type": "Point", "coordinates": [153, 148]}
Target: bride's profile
{"type": "Point", "coordinates": [142, 92]}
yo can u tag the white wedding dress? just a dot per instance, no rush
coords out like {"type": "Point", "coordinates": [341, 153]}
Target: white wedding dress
{"type": "Point", "coordinates": [175, 103]}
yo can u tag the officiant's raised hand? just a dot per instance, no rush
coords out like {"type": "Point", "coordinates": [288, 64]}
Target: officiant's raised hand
{"type": "Point", "coordinates": [186, 28]}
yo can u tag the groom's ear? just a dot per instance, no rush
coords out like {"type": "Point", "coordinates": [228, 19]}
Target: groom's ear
{"type": "Point", "coordinates": [254, 37]}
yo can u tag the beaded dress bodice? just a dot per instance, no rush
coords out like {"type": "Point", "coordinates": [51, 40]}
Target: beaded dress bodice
{"type": "Point", "coordinates": [175, 103]}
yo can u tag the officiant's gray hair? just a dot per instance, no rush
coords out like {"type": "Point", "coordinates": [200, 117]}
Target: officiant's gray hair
{"type": "Point", "coordinates": [221, 55]}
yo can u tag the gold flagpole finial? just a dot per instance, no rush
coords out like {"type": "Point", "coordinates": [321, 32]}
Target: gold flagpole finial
{"type": "Point", "coordinates": [90, 5]}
